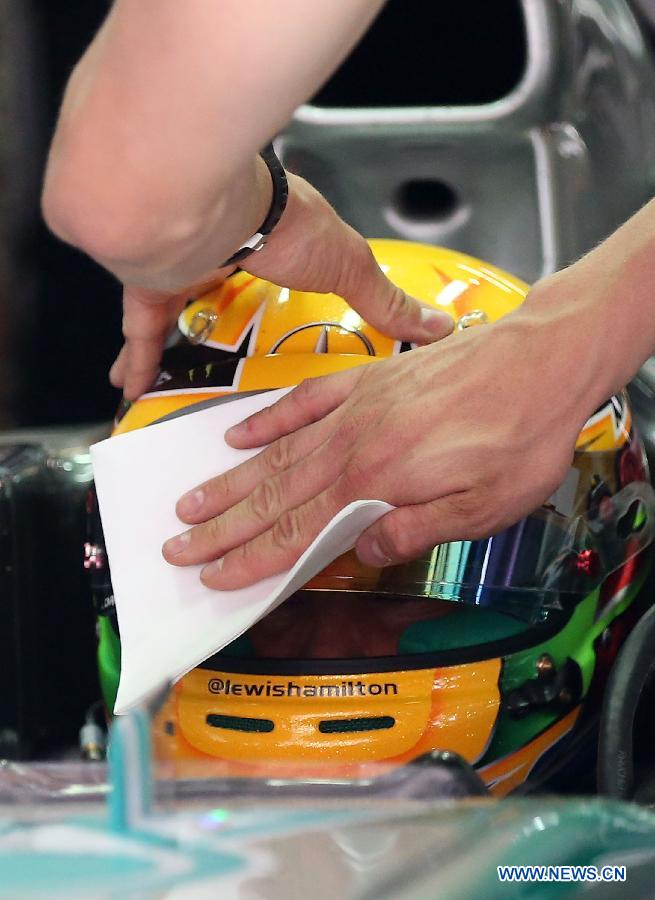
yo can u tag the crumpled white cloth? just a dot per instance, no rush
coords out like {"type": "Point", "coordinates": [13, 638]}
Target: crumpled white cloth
{"type": "Point", "coordinates": [170, 622]}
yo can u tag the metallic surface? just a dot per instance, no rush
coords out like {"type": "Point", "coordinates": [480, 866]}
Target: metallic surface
{"type": "Point", "coordinates": [282, 841]}
{"type": "Point", "coordinates": [530, 172]}
{"type": "Point", "coordinates": [201, 325]}
{"type": "Point", "coordinates": [545, 665]}
{"type": "Point", "coordinates": [292, 838]}
{"type": "Point", "coordinates": [471, 319]}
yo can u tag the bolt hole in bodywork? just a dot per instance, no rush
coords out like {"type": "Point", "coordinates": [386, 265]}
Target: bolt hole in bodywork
{"type": "Point", "coordinates": [633, 520]}
{"type": "Point", "coordinates": [426, 200]}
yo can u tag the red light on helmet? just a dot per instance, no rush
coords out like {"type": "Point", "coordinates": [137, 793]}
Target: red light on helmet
{"type": "Point", "coordinates": [587, 563]}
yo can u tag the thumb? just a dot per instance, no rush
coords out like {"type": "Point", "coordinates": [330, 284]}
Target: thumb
{"type": "Point", "coordinates": [387, 307]}
{"type": "Point", "coordinates": [407, 532]}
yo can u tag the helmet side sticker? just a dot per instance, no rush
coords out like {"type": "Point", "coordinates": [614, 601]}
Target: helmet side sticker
{"type": "Point", "coordinates": [183, 355]}
{"type": "Point", "coordinates": [614, 415]}
{"type": "Point", "coordinates": [210, 378]}
{"type": "Point", "coordinates": [619, 409]}
{"type": "Point", "coordinates": [323, 334]}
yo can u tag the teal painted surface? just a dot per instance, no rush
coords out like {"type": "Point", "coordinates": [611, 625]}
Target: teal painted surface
{"type": "Point", "coordinates": [130, 771]}
{"type": "Point", "coordinates": [466, 626]}
{"type": "Point", "coordinates": [134, 866]}
{"type": "Point", "coordinates": [54, 872]}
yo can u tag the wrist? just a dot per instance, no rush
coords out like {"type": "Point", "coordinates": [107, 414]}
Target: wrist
{"type": "Point", "coordinates": [298, 214]}
{"type": "Point", "coordinates": [279, 192]}
{"type": "Point", "coordinates": [262, 198]}
{"type": "Point", "coordinates": [310, 246]}
{"type": "Point", "coordinates": [604, 304]}
{"type": "Point", "coordinates": [565, 329]}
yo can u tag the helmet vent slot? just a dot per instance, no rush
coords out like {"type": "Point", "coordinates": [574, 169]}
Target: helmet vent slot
{"type": "Point", "coordinates": [633, 520]}
{"type": "Point", "coordinates": [348, 726]}
{"type": "Point", "coordinates": [240, 723]}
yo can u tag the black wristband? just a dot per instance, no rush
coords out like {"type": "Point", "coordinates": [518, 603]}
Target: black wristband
{"type": "Point", "coordinates": [277, 207]}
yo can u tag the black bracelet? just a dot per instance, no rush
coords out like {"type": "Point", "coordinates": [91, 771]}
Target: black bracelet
{"type": "Point", "coordinates": [277, 207]}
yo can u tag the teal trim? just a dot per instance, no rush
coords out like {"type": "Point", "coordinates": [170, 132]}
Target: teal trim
{"type": "Point", "coordinates": [130, 769]}
{"type": "Point", "coordinates": [127, 865]}
{"type": "Point", "coordinates": [45, 873]}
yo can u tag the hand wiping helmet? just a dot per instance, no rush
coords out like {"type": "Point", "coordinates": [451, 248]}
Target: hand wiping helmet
{"type": "Point", "coordinates": [495, 649]}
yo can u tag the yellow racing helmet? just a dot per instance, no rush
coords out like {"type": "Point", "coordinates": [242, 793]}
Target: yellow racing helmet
{"type": "Point", "coordinates": [495, 649]}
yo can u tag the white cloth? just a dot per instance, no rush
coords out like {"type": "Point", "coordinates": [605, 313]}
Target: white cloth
{"type": "Point", "coordinates": [170, 622]}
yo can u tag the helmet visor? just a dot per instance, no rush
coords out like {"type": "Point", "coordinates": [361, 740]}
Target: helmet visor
{"type": "Point", "coordinates": [548, 560]}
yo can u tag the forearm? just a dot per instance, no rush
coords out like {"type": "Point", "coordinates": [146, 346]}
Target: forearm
{"type": "Point", "coordinates": [601, 310]}
{"type": "Point", "coordinates": [172, 259]}
{"type": "Point", "coordinates": [165, 114]}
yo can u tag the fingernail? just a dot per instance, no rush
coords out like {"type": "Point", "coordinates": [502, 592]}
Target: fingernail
{"type": "Point", "coordinates": [191, 502]}
{"type": "Point", "coordinates": [211, 570]}
{"type": "Point", "coordinates": [377, 556]}
{"type": "Point", "coordinates": [242, 428]}
{"type": "Point", "coordinates": [177, 544]}
{"type": "Point", "coordinates": [436, 321]}
{"type": "Point", "coordinates": [239, 428]}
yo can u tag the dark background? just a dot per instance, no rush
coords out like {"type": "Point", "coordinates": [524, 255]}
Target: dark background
{"type": "Point", "coordinates": [59, 312]}
{"type": "Point", "coordinates": [65, 309]}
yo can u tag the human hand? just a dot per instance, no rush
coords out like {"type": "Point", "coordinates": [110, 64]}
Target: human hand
{"type": "Point", "coordinates": [148, 319]}
{"type": "Point", "coordinates": [313, 249]}
{"type": "Point", "coordinates": [464, 437]}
